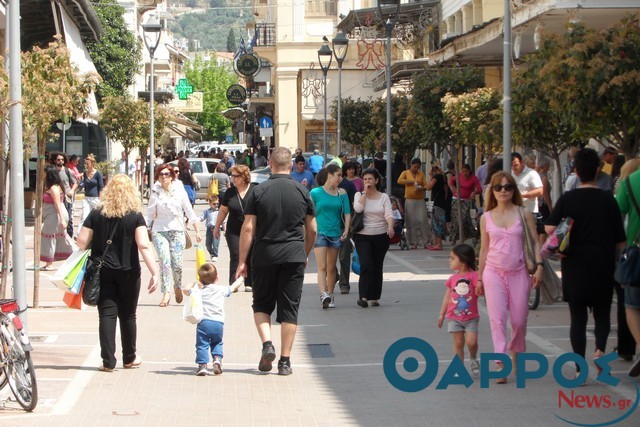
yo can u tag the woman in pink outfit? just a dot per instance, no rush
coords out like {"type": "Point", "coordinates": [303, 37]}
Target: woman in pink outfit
{"type": "Point", "coordinates": [502, 270]}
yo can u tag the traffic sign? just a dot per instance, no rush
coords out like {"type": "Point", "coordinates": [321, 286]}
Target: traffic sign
{"type": "Point", "coordinates": [265, 122]}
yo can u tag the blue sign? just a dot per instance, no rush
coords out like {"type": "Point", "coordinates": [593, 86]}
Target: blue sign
{"type": "Point", "coordinates": [265, 122]}
{"type": "Point", "coordinates": [228, 138]}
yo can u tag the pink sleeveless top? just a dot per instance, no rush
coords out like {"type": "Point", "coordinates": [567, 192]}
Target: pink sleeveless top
{"type": "Point", "coordinates": [506, 249]}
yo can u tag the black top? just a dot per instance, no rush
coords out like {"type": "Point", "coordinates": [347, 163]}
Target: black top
{"type": "Point", "coordinates": [587, 270]}
{"type": "Point", "coordinates": [438, 193]}
{"type": "Point", "coordinates": [281, 205]}
{"type": "Point", "coordinates": [381, 166]}
{"type": "Point", "coordinates": [350, 188]}
{"type": "Point", "coordinates": [185, 177]}
{"type": "Point", "coordinates": [231, 200]}
{"type": "Point", "coordinates": [123, 253]}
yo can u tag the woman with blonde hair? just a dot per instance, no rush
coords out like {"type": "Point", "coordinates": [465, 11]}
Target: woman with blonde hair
{"type": "Point", "coordinates": [232, 205]}
{"type": "Point", "coordinates": [168, 205]}
{"type": "Point", "coordinates": [92, 183]}
{"type": "Point", "coordinates": [502, 272]}
{"type": "Point", "coordinates": [116, 231]}
{"type": "Point", "coordinates": [629, 167]}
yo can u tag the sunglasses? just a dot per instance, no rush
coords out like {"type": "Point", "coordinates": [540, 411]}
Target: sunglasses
{"type": "Point", "coordinates": [164, 174]}
{"type": "Point", "coordinates": [176, 171]}
{"type": "Point", "coordinates": [499, 187]}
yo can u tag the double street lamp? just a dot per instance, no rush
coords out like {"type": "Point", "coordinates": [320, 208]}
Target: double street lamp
{"type": "Point", "coordinates": [152, 32]}
{"type": "Point", "coordinates": [340, 45]}
{"type": "Point", "coordinates": [325, 56]}
{"type": "Point", "coordinates": [392, 16]}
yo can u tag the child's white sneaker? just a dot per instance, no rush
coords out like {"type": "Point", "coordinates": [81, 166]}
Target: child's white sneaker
{"type": "Point", "coordinates": [475, 367]}
{"type": "Point", "coordinates": [202, 370]}
{"type": "Point", "coordinates": [217, 365]}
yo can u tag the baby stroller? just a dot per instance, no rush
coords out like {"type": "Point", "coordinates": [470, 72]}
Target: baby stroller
{"type": "Point", "coordinates": [399, 232]}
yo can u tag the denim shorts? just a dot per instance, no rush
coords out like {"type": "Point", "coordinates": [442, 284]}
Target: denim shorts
{"type": "Point", "coordinates": [323, 241]}
{"type": "Point", "coordinates": [632, 297]}
{"type": "Point", "coordinates": [470, 325]}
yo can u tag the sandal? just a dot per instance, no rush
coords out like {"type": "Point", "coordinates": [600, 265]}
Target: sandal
{"type": "Point", "coordinates": [136, 363]}
{"type": "Point", "coordinates": [46, 268]}
{"type": "Point", "coordinates": [375, 304]}
{"type": "Point", "coordinates": [166, 299]}
{"type": "Point", "coordinates": [103, 368]}
{"type": "Point", "coordinates": [362, 303]}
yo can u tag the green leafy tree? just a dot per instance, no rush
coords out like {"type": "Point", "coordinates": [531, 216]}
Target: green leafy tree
{"type": "Point", "coordinates": [52, 90]}
{"type": "Point", "coordinates": [593, 83]}
{"type": "Point", "coordinates": [213, 80]}
{"type": "Point", "coordinates": [536, 122]}
{"type": "Point", "coordinates": [231, 41]}
{"type": "Point", "coordinates": [126, 120]}
{"type": "Point", "coordinates": [116, 55]}
{"type": "Point", "coordinates": [355, 121]}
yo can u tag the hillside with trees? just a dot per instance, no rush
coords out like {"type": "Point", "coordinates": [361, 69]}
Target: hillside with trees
{"type": "Point", "coordinates": [212, 22]}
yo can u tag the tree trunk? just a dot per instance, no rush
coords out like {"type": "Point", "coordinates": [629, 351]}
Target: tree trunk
{"type": "Point", "coordinates": [37, 225]}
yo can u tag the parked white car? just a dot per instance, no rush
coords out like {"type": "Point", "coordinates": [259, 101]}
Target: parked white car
{"type": "Point", "coordinates": [203, 169]}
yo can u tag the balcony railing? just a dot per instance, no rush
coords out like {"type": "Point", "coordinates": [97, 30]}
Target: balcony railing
{"type": "Point", "coordinates": [266, 34]}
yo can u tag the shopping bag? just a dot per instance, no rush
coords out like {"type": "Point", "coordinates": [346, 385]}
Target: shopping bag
{"type": "Point", "coordinates": [78, 270]}
{"type": "Point", "coordinates": [65, 275]}
{"type": "Point", "coordinates": [192, 311]}
{"type": "Point", "coordinates": [355, 262]}
{"type": "Point", "coordinates": [200, 259]}
{"type": "Point", "coordinates": [213, 189]}
{"type": "Point", "coordinates": [73, 300]}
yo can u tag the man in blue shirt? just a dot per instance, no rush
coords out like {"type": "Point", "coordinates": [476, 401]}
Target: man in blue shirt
{"type": "Point", "coordinates": [301, 175]}
{"type": "Point", "coordinates": [316, 162]}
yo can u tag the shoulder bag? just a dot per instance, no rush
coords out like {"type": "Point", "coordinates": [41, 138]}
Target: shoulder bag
{"type": "Point", "coordinates": [529, 243]}
{"type": "Point", "coordinates": [357, 221]}
{"type": "Point", "coordinates": [628, 268]}
{"type": "Point", "coordinates": [91, 287]}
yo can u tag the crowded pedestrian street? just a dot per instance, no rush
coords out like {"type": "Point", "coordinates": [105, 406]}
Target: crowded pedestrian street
{"type": "Point", "coordinates": [338, 363]}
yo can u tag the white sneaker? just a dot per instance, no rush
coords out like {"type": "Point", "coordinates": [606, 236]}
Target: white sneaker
{"type": "Point", "coordinates": [325, 299]}
{"type": "Point", "coordinates": [332, 304]}
{"type": "Point", "coordinates": [475, 367]}
{"type": "Point", "coordinates": [214, 259]}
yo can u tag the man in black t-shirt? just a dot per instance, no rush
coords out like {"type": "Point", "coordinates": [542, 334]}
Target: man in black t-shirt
{"type": "Point", "coordinates": [280, 215]}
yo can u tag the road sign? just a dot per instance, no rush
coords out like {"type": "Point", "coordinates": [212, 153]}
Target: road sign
{"type": "Point", "coordinates": [265, 122]}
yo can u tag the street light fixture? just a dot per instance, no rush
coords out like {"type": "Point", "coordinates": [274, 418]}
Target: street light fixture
{"type": "Point", "coordinates": [392, 16]}
{"type": "Point", "coordinates": [152, 32]}
{"type": "Point", "coordinates": [340, 44]}
{"type": "Point", "coordinates": [325, 57]}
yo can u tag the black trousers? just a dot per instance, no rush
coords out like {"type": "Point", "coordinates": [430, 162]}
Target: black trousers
{"type": "Point", "coordinates": [626, 343]}
{"type": "Point", "coordinates": [578, 329]}
{"type": "Point", "coordinates": [119, 292]}
{"type": "Point", "coordinates": [344, 256]}
{"type": "Point", "coordinates": [69, 207]}
{"type": "Point", "coordinates": [233, 243]}
{"type": "Point", "coordinates": [371, 252]}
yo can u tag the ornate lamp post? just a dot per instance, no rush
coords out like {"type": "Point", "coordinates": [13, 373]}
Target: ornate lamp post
{"type": "Point", "coordinates": [392, 16]}
{"type": "Point", "coordinates": [325, 56]}
{"type": "Point", "coordinates": [152, 32]}
{"type": "Point", "coordinates": [340, 44]}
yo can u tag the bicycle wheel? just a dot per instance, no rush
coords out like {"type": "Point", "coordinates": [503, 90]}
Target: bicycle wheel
{"type": "Point", "coordinates": [20, 375]}
{"type": "Point", "coordinates": [534, 298]}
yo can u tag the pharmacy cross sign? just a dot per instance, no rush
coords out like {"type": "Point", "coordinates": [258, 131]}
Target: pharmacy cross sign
{"type": "Point", "coordinates": [184, 89]}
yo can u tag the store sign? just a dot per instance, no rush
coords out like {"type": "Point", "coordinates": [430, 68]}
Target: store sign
{"type": "Point", "coordinates": [193, 104]}
{"type": "Point", "coordinates": [183, 89]}
{"type": "Point", "coordinates": [247, 65]}
{"type": "Point", "coordinates": [236, 94]}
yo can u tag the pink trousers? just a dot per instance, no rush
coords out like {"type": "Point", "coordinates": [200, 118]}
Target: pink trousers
{"type": "Point", "coordinates": [507, 294]}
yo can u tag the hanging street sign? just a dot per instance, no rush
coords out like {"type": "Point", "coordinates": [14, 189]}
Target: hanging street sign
{"type": "Point", "coordinates": [236, 94]}
{"type": "Point", "coordinates": [193, 104]}
{"type": "Point", "coordinates": [247, 65]}
{"type": "Point", "coordinates": [184, 89]}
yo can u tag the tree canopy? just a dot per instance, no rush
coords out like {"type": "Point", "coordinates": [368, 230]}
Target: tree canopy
{"type": "Point", "coordinates": [208, 77]}
{"type": "Point", "coordinates": [116, 55]}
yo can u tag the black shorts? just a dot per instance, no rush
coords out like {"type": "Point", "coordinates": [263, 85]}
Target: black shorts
{"type": "Point", "coordinates": [281, 285]}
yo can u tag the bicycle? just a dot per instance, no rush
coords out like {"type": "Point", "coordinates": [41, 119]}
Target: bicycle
{"type": "Point", "coordinates": [15, 357]}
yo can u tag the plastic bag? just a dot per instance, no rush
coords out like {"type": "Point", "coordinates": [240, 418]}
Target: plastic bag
{"type": "Point", "coordinates": [200, 259]}
{"type": "Point", "coordinates": [65, 276]}
{"type": "Point", "coordinates": [192, 311]}
{"type": "Point", "coordinates": [355, 262]}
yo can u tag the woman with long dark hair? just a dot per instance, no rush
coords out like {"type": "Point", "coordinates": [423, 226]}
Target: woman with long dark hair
{"type": "Point", "coordinates": [372, 242]}
{"type": "Point", "coordinates": [187, 178]}
{"type": "Point", "coordinates": [54, 241]}
{"type": "Point", "coordinates": [117, 231]}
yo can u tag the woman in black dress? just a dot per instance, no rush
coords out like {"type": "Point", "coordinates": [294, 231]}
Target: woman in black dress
{"type": "Point", "coordinates": [587, 270]}
{"type": "Point", "coordinates": [437, 186]}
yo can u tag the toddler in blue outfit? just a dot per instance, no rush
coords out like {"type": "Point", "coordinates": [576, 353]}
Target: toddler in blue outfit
{"type": "Point", "coordinates": [210, 216]}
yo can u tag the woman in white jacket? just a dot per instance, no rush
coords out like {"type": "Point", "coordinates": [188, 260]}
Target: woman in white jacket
{"type": "Point", "coordinates": [168, 205]}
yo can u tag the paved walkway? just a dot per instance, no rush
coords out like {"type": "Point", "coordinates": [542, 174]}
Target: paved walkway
{"type": "Point", "coordinates": [338, 378]}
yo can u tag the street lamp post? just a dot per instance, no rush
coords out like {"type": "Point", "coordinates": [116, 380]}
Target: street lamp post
{"type": "Point", "coordinates": [325, 56]}
{"type": "Point", "coordinates": [392, 16]}
{"type": "Point", "coordinates": [340, 45]}
{"type": "Point", "coordinates": [506, 89]}
{"type": "Point", "coordinates": [152, 32]}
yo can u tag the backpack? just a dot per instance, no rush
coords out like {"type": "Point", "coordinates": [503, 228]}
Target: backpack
{"type": "Point", "coordinates": [213, 188]}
